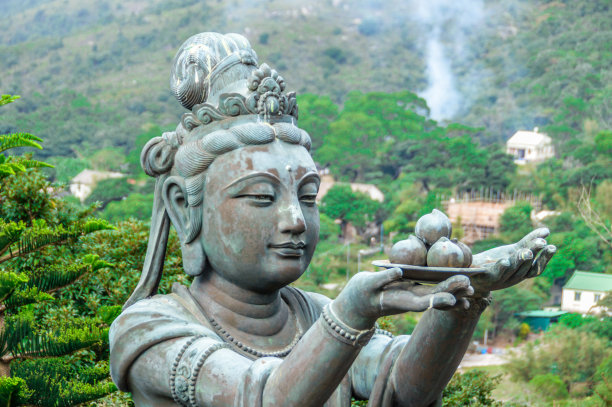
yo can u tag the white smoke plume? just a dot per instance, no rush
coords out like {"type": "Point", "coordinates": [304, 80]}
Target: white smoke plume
{"type": "Point", "coordinates": [445, 24]}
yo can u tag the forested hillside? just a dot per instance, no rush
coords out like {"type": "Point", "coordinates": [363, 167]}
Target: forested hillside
{"type": "Point", "coordinates": [92, 73]}
{"type": "Point", "coordinates": [415, 97]}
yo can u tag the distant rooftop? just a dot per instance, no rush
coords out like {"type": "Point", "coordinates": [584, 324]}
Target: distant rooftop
{"type": "Point", "coordinates": [583, 280]}
{"type": "Point", "coordinates": [92, 176]}
{"type": "Point", "coordinates": [529, 138]}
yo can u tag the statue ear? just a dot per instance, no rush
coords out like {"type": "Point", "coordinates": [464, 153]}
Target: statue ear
{"type": "Point", "coordinates": [187, 221]}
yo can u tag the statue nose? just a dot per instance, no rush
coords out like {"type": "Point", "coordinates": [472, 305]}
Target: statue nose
{"type": "Point", "coordinates": [292, 219]}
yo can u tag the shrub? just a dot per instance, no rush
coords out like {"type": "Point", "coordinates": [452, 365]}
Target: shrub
{"type": "Point", "coordinates": [369, 27]}
{"type": "Point", "coordinates": [603, 378]}
{"type": "Point", "coordinates": [472, 388]}
{"type": "Point", "coordinates": [329, 229]}
{"type": "Point", "coordinates": [108, 190]}
{"type": "Point", "coordinates": [571, 354]}
{"type": "Point", "coordinates": [136, 206]}
{"type": "Point", "coordinates": [550, 385]}
{"type": "Point", "coordinates": [337, 54]}
{"type": "Point", "coordinates": [524, 330]}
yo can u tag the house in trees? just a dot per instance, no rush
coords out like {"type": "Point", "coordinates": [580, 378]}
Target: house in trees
{"type": "Point", "coordinates": [327, 181]}
{"type": "Point", "coordinates": [584, 290]}
{"type": "Point", "coordinates": [82, 185]}
{"type": "Point", "coordinates": [530, 146]}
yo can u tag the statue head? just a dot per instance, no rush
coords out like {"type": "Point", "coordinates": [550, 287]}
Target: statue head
{"type": "Point", "coordinates": [235, 178]}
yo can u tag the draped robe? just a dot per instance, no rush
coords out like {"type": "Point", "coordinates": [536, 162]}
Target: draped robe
{"type": "Point", "coordinates": [177, 318]}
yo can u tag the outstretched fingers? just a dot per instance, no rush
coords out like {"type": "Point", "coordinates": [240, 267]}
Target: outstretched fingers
{"type": "Point", "coordinates": [520, 264]}
{"type": "Point", "coordinates": [535, 245]}
{"type": "Point", "coordinates": [540, 233]}
{"type": "Point", "coordinates": [541, 261]}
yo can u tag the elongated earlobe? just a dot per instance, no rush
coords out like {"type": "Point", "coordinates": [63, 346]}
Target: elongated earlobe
{"type": "Point", "coordinates": [187, 221]}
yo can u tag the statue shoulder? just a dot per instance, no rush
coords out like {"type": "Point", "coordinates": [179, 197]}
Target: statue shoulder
{"type": "Point", "coordinates": [148, 322]}
{"type": "Point", "coordinates": [319, 299]}
{"type": "Point", "coordinates": [310, 304]}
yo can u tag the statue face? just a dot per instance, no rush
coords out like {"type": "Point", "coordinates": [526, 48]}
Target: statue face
{"type": "Point", "coordinates": [260, 220]}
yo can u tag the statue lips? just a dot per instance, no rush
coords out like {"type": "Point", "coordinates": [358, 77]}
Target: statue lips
{"type": "Point", "coordinates": [289, 249]}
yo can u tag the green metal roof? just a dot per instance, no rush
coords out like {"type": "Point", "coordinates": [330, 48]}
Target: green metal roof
{"type": "Point", "coordinates": [541, 314]}
{"type": "Point", "coordinates": [582, 280]}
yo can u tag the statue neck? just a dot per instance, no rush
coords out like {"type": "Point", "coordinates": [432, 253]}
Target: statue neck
{"type": "Point", "coordinates": [235, 307]}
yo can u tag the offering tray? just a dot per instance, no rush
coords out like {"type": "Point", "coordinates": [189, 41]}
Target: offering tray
{"type": "Point", "coordinates": [429, 274]}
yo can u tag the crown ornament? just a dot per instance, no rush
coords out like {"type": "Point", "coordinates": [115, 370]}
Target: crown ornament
{"type": "Point", "coordinates": [230, 87]}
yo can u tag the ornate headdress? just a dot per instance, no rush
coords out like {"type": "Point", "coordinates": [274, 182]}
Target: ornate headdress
{"type": "Point", "coordinates": [216, 77]}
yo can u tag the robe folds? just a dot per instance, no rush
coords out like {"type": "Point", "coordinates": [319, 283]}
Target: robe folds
{"type": "Point", "coordinates": [163, 322]}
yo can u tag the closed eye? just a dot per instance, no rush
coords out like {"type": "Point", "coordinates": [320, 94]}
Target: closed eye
{"type": "Point", "coordinates": [309, 199]}
{"type": "Point", "coordinates": [258, 199]}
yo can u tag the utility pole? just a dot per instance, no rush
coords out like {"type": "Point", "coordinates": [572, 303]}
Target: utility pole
{"type": "Point", "coordinates": [348, 259]}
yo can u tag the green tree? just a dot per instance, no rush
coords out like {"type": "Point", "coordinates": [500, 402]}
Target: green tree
{"type": "Point", "coordinates": [31, 222]}
{"type": "Point", "coordinates": [508, 302]}
{"type": "Point", "coordinates": [342, 203]}
{"type": "Point", "coordinates": [515, 222]}
{"type": "Point", "coordinates": [316, 115]}
{"type": "Point", "coordinates": [570, 354]}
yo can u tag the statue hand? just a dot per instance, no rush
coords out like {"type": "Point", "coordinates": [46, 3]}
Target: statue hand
{"type": "Point", "coordinates": [371, 295]}
{"type": "Point", "coordinates": [509, 265]}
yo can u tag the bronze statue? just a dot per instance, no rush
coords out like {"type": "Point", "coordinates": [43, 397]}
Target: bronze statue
{"type": "Point", "coordinates": [237, 182]}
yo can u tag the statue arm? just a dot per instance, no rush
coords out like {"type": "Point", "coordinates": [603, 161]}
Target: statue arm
{"type": "Point", "coordinates": [428, 361]}
{"type": "Point", "coordinates": [413, 370]}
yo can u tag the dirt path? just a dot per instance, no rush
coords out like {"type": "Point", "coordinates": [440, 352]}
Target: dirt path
{"type": "Point", "coordinates": [477, 359]}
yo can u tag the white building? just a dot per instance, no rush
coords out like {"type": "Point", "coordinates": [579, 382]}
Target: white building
{"type": "Point", "coordinates": [327, 181]}
{"type": "Point", "coordinates": [530, 146]}
{"type": "Point", "coordinates": [584, 290]}
{"type": "Point", "coordinates": [82, 185]}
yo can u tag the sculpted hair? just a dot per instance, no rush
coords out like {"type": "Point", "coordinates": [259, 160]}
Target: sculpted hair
{"type": "Point", "coordinates": [162, 155]}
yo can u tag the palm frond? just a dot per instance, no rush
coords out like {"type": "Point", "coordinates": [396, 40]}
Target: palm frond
{"type": "Point", "coordinates": [9, 281]}
{"type": "Point", "coordinates": [27, 163]}
{"type": "Point", "coordinates": [9, 234]}
{"type": "Point", "coordinates": [39, 235]}
{"type": "Point", "coordinates": [13, 389]}
{"type": "Point", "coordinates": [15, 332]}
{"type": "Point", "coordinates": [60, 342]}
{"type": "Point", "coordinates": [54, 382]}
{"type": "Point", "coordinates": [30, 295]}
{"type": "Point", "coordinates": [53, 278]}
{"type": "Point", "coordinates": [8, 141]}
{"type": "Point", "coordinates": [6, 99]}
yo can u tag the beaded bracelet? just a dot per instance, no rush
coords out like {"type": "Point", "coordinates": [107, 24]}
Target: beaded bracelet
{"type": "Point", "coordinates": [196, 370]}
{"type": "Point", "coordinates": [384, 333]}
{"type": "Point", "coordinates": [181, 398]}
{"type": "Point", "coordinates": [342, 331]}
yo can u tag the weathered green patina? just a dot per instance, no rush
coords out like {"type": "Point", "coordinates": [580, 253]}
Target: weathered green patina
{"type": "Point", "coordinates": [237, 182]}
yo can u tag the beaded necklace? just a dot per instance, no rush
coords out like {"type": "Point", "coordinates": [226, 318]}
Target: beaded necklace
{"type": "Point", "coordinates": [256, 352]}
